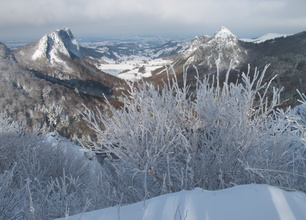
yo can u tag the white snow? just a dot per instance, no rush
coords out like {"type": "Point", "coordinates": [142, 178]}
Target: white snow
{"type": "Point", "coordinates": [224, 33]}
{"type": "Point", "coordinates": [41, 51]}
{"type": "Point", "coordinates": [74, 149]}
{"type": "Point", "coordinates": [269, 36]}
{"type": "Point", "coordinates": [237, 203]}
{"type": "Point", "coordinates": [129, 69]}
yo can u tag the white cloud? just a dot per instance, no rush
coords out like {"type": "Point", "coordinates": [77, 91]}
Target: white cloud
{"type": "Point", "coordinates": [171, 15]}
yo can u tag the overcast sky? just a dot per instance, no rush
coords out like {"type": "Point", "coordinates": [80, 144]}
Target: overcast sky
{"type": "Point", "coordinates": [31, 19]}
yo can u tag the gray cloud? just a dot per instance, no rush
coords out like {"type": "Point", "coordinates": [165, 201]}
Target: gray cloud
{"type": "Point", "coordinates": [245, 18]}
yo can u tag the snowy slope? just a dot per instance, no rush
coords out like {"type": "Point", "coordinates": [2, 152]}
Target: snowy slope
{"type": "Point", "coordinates": [124, 57]}
{"type": "Point", "coordinates": [130, 70]}
{"type": "Point", "coordinates": [237, 203]}
{"type": "Point", "coordinates": [269, 36]}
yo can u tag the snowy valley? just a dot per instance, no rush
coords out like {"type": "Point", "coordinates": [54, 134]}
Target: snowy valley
{"type": "Point", "coordinates": [138, 57]}
{"type": "Point", "coordinates": [135, 58]}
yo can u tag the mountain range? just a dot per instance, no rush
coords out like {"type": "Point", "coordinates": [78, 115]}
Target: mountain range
{"type": "Point", "coordinates": [47, 82]}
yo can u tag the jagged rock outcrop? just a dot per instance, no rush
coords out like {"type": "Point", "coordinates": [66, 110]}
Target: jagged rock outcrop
{"type": "Point", "coordinates": [52, 45]}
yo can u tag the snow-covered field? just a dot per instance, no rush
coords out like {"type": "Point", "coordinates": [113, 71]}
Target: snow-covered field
{"type": "Point", "coordinates": [237, 203]}
{"type": "Point", "coordinates": [130, 69]}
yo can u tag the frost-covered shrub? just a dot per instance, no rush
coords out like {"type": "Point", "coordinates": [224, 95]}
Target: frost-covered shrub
{"type": "Point", "coordinates": [45, 178]}
{"type": "Point", "coordinates": [165, 140]}
{"type": "Point", "coordinates": [142, 137]}
{"type": "Point", "coordinates": [10, 196]}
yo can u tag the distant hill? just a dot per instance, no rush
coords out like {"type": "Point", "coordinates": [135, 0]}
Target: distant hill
{"type": "Point", "coordinates": [285, 54]}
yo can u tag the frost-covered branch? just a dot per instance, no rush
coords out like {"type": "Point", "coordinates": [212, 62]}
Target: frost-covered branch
{"type": "Point", "coordinates": [173, 141]}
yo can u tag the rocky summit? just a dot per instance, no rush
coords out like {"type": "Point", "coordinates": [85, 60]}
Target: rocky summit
{"type": "Point", "coordinates": [59, 42]}
{"type": "Point", "coordinates": [222, 48]}
{"type": "Point", "coordinates": [57, 57]}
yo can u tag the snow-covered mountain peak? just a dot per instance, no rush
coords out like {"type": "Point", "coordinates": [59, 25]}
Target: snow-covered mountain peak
{"type": "Point", "coordinates": [59, 42]}
{"type": "Point", "coordinates": [224, 33]}
{"type": "Point", "coordinates": [224, 37]}
{"type": "Point", "coordinates": [206, 51]}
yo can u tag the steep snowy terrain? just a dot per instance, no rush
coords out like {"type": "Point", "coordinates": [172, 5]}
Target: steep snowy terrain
{"type": "Point", "coordinates": [250, 202]}
{"type": "Point", "coordinates": [57, 57]}
{"type": "Point", "coordinates": [56, 50]}
{"type": "Point", "coordinates": [58, 42]}
{"type": "Point", "coordinates": [206, 51]}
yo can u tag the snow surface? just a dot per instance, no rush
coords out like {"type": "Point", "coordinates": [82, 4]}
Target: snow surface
{"type": "Point", "coordinates": [237, 203]}
{"type": "Point", "coordinates": [269, 36]}
{"type": "Point", "coordinates": [42, 47]}
{"type": "Point", "coordinates": [129, 70]}
{"type": "Point", "coordinates": [224, 33]}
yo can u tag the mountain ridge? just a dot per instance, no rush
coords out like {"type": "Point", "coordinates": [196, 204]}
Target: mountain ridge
{"type": "Point", "coordinates": [223, 45]}
{"type": "Point", "coordinates": [224, 51]}
{"type": "Point", "coordinates": [57, 57]}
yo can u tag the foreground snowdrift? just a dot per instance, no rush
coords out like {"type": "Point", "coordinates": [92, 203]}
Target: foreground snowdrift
{"type": "Point", "coordinates": [239, 202]}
